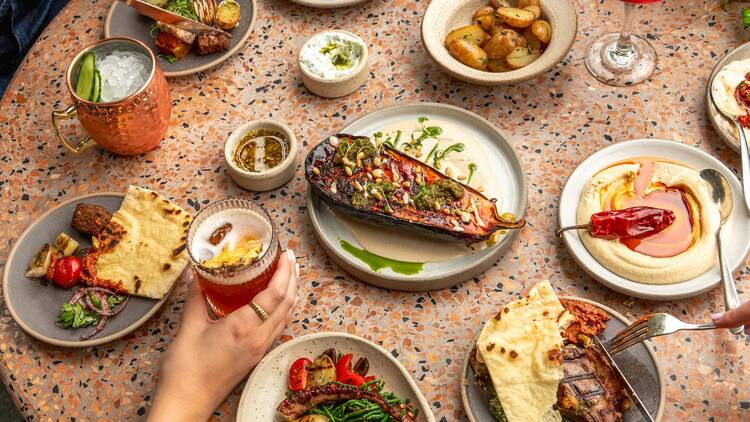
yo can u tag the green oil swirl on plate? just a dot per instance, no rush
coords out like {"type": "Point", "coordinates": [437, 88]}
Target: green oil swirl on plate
{"type": "Point", "coordinates": [377, 262]}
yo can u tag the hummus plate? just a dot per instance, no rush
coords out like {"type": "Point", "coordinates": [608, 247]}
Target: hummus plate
{"type": "Point", "coordinates": [735, 228]}
{"type": "Point", "coordinates": [724, 127]}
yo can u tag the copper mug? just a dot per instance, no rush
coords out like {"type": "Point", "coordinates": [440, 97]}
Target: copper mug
{"type": "Point", "coordinates": [128, 126]}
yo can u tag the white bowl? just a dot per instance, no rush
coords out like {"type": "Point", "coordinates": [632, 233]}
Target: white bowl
{"type": "Point", "coordinates": [343, 85]}
{"type": "Point", "coordinates": [262, 180]}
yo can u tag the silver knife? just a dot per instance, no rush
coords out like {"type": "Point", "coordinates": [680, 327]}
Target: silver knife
{"type": "Point", "coordinates": [630, 389]}
{"type": "Point", "coordinates": [165, 16]}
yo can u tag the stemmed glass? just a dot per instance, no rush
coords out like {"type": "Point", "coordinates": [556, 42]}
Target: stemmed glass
{"type": "Point", "coordinates": [622, 58]}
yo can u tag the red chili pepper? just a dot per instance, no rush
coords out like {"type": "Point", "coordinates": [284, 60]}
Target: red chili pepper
{"type": "Point", "coordinates": [635, 222]}
{"type": "Point", "coordinates": [298, 374]}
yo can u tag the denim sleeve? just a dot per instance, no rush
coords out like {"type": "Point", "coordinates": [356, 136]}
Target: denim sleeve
{"type": "Point", "coordinates": [21, 22]}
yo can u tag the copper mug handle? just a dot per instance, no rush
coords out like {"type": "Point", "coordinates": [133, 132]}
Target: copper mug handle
{"type": "Point", "coordinates": [69, 113]}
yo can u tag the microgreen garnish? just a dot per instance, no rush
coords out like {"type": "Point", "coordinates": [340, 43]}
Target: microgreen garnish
{"type": "Point", "coordinates": [472, 170]}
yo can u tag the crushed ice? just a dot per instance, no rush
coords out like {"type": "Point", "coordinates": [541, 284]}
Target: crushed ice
{"type": "Point", "coordinates": [122, 73]}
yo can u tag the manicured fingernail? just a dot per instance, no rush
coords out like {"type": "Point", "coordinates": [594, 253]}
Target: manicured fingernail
{"type": "Point", "coordinates": [716, 317]}
{"type": "Point", "coordinates": [292, 257]}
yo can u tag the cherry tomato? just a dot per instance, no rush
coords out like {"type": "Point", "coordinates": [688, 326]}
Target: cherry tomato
{"type": "Point", "coordinates": [352, 379]}
{"type": "Point", "coordinates": [298, 374]}
{"type": "Point", "coordinates": [67, 271]}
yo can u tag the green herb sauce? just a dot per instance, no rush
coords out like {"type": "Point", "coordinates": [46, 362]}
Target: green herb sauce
{"type": "Point", "coordinates": [376, 262]}
{"type": "Point", "coordinates": [442, 192]}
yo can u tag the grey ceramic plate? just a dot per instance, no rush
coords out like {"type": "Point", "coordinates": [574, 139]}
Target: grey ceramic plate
{"type": "Point", "coordinates": [35, 304]}
{"type": "Point", "coordinates": [726, 128]}
{"type": "Point", "coordinates": [435, 275]}
{"type": "Point", "coordinates": [328, 4]}
{"type": "Point", "coordinates": [638, 364]}
{"type": "Point", "coordinates": [124, 21]}
{"type": "Point", "coordinates": [267, 385]}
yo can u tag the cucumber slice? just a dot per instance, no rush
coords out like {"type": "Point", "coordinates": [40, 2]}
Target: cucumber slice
{"type": "Point", "coordinates": [85, 80]}
{"type": "Point", "coordinates": [96, 90]}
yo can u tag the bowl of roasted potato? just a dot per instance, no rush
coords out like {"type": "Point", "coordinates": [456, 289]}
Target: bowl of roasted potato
{"type": "Point", "coordinates": [498, 42]}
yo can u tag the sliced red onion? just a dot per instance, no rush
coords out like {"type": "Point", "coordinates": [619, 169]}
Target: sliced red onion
{"type": "Point", "coordinates": [97, 330]}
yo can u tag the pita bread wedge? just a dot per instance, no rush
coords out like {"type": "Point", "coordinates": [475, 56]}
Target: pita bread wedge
{"type": "Point", "coordinates": [142, 250]}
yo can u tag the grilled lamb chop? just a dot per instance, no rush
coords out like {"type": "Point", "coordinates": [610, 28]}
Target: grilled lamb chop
{"type": "Point", "coordinates": [301, 402]}
{"type": "Point", "coordinates": [591, 390]}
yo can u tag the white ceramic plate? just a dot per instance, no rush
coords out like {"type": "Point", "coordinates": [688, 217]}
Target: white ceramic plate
{"type": "Point", "coordinates": [327, 4]}
{"type": "Point", "coordinates": [267, 385]}
{"type": "Point", "coordinates": [736, 240]}
{"type": "Point", "coordinates": [638, 364]}
{"type": "Point", "coordinates": [726, 128]}
{"type": "Point", "coordinates": [438, 275]}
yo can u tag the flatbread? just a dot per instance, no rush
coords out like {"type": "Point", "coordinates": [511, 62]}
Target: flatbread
{"type": "Point", "coordinates": [142, 250]}
{"type": "Point", "coordinates": [521, 348]}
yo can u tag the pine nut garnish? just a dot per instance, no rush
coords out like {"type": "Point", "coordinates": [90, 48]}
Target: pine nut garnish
{"type": "Point", "coordinates": [357, 186]}
{"type": "Point", "coordinates": [406, 184]}
{"type": "Point", "coordinates": [449, 172]}
{"type": "Point", "coordinates": [418, 154]}
{"type": "Point", "coordinates": [481, 188]}
{"type": "Point", "coordinates": [369, 176]}
{"type": "Point", "coordinates": [316, 171]}
{"type": "Point", "coordinates": [395, 185]}
{"type": "Point", "coordinates": [376, 161]}
{"type": "Point", "coordinates": [378, 180]}
{"type": "Point", "coordinates": [462, 177]}
{"type": "Point", "coordinates": [377, 173]}
{"type": "Point", "coordinates": [377, 195]}
{"type": "Point", "coordinates": [348, 170]}
{"type": "Point", "coordinates": [333, 187]}
{"type": "Point", "coordinates": [333, 141]}
{"type": "Point", "coordinates": [360, 155]}
{"type": "Point", "coordinates": [417, 170]}
{"type": "Point", "coordinates": [457, 229]}
{"type": "Point", "coordinates": [436, 206]}
{"type": "Point", "coordinates": [465, 217]}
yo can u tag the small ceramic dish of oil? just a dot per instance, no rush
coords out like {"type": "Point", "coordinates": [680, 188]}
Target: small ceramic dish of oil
{"type": "Point", "coordinates": [261, 155]}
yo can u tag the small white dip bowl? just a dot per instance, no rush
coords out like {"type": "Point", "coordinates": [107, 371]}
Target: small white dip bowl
{"type": "Point", "coordinates": [341, 85]}
{"type": "Point", "coordinates": [268, 179]}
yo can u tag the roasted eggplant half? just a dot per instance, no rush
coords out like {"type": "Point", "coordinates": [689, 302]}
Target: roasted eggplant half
{"type": "Point", "coordinates": [369, 180]}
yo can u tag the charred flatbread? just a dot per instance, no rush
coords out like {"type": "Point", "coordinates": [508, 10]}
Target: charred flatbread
{"type": "Point", "coordinates": [142, 249]}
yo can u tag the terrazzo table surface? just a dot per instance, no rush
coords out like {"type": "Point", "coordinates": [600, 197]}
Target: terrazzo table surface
{"type": "Point", "coordinates": [554, 122]}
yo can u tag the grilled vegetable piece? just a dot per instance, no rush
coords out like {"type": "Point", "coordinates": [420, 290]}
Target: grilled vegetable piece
{"type": "Point", "coordinates": [168, 44]}
{"type": "Point", "coordinates": [299, 403]}
{"type": "Point", "coordinates": [209, 42]}
{"type": "Point", "coordinates": [313, 418]}
{"type": "Point", "coordinates": [40, 262]}
{"type": "Point", "coordinates": [185, 36]}
{"type": "Point", "coordinates": [321, 372]}
{"type": "Point", "coordinates": [65, 245]}
{"type": "Point", "coordinates": [384, 186]}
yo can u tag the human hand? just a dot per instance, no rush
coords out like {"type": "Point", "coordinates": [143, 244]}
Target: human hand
{"type": "Point", "coordinates": [209, 358]}
{"type": "Point", "coordinates": [734, 318]}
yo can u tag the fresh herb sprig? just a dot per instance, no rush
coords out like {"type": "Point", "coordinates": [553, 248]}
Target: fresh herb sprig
{"type": "Point", "coordinates": [422, 134]}
{"type": "Point", "coordinates": [183, 8]}
{"type": "Point", "coordinates": [438, 155]}
{"type": "Point", "coordinates": [472, 170]}
{"type": "Point", "coordinates": [76, 316]}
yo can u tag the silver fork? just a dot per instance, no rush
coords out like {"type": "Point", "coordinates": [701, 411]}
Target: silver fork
{"type": "Point", "coordinates": [653, 325]}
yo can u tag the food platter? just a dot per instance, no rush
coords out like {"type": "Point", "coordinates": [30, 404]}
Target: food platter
{"type": "Point", "coordinates": [327, 4]}
{"type": "Point", "coordinates": [505, 166]}
{"type": "Point", "coordinates": [725, 128]}
{"type": "Point", "coordinates": [267, 385]}
{"type": "Point", "coordinates": [35, 307]}
{"type": "Point", "coordinates": [638, 364]}
{"type": "Point", "coordinates": [124, 21]}
{"type": "Point", "coordinates": [737, 244]}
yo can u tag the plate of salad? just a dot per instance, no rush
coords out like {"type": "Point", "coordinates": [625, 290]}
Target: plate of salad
{"type": "Point", "coordinates": [331, 377]}
{"type": "Point", "coordinates": [180, 52]}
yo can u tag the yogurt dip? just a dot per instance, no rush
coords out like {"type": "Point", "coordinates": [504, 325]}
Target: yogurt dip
{"type": "Point", "coordinates": [331, 55]}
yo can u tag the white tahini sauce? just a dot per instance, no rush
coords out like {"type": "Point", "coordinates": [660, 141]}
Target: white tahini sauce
{"type": "Point", "coordinates": [317, 55]}
{"type": "Point", "coordinates": [411, 247]}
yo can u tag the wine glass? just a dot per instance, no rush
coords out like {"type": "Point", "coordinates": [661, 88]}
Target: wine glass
{"type": "Point", "coordinates": [622, 59]}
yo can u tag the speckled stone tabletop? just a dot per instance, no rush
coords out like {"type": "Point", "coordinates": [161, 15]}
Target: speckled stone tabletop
{"type": "Point", "coordinates": [554, 122]}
